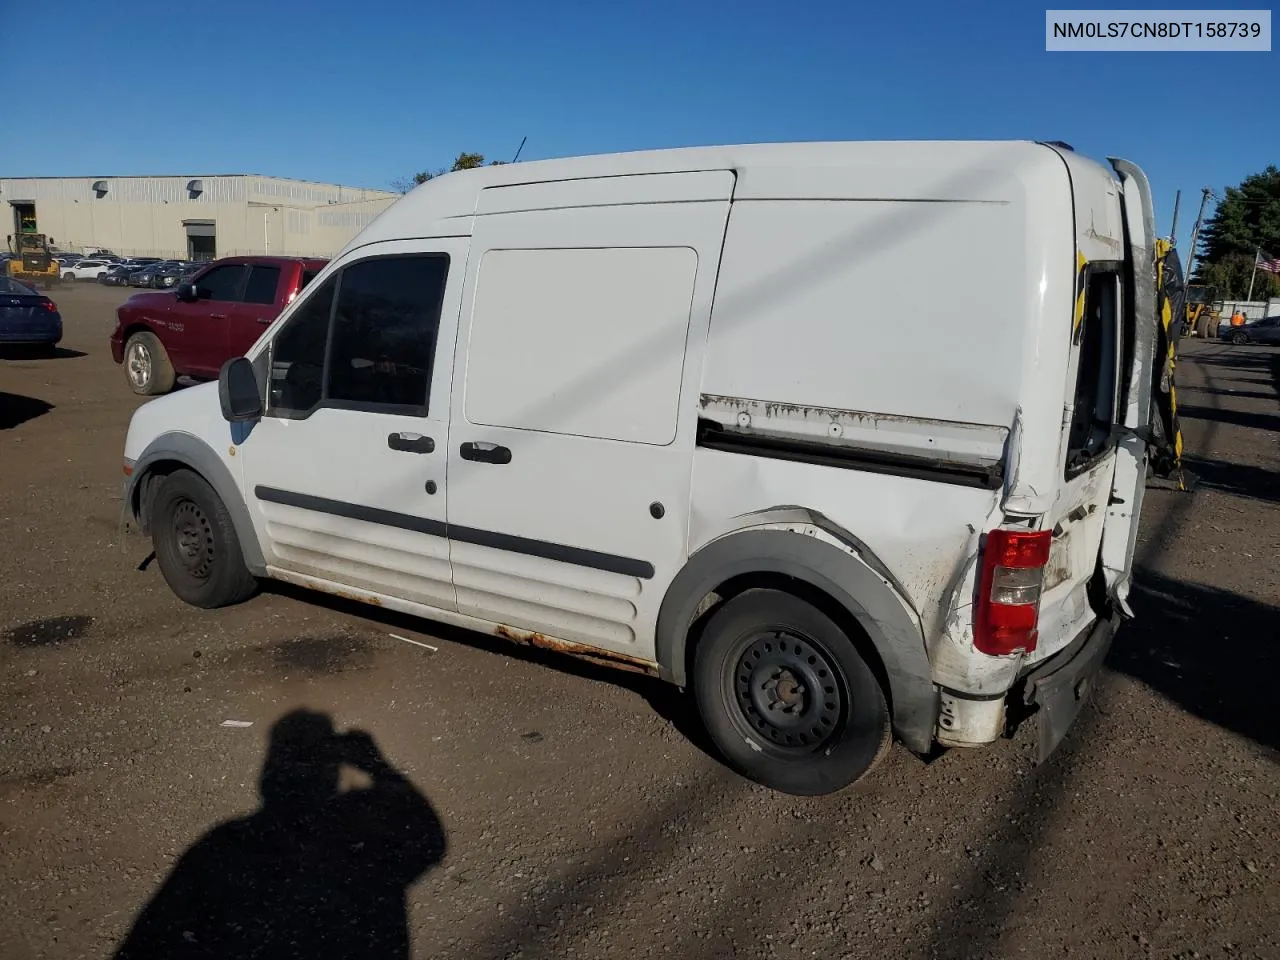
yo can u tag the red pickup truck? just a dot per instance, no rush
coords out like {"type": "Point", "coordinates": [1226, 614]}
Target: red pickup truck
{"type": "Point", "coordinates": [219, 314]}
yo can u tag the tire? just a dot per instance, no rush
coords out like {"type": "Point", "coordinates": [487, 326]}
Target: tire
{"type": "Point", "coordinates": [196, 544]}
{"type": "Point", "coordinates": [1239, 338]}
{"type": "Point", "coordinates": [68, 275]}
{"type": "Point", "coordinates": [102, 274]}
{"type": "Point", "coordinates": [147, 366]}
{"type": "Point", "coordinates": [759, 638]}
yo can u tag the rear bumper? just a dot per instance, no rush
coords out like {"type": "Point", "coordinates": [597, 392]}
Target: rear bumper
{"type": "Point", "coordinates": [1054, 691]}
{"type": "Point", "coordinates": [45, 335]}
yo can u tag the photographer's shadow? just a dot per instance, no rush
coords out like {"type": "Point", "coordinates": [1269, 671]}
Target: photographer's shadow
{"type": "Point", "coordinates": [315, 872]}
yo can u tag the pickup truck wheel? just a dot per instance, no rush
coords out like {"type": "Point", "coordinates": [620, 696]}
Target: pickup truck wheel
{"type": "Point", "coordinates": [147, 366]}
{"type": "Point", "coordinates": [786, 697]}
{"type": "Point", "coordinates": [196, 544]}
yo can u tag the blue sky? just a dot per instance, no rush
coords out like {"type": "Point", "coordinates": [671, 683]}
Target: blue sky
{"type": "Point", "coordinates": [363, 94]}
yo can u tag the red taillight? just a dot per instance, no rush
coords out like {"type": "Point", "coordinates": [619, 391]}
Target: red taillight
{"type": "Point", "coordinates": [1013, 563]}
{"type": "Point", "coordinates": [49, 305]}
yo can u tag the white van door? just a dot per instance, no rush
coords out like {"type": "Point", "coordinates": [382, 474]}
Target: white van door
{"type": "Point", "coordinates": [1088, 463]}
{"type": "Point", "coordinates": [1130, 481]}
{"type": "Point", "coordinates": [345, 473]}
{"type": "Point", "coordinates": [574, 407]}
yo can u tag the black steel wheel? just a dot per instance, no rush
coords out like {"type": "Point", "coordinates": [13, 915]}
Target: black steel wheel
{"type": "Point", "coordinates": [786, 696]}
{"type": "Point", "coordinates": [789, 691]}
{"type": "Point", "coordinates": [196, 544]}
{"type": "Point", "coordinates": [193, 534]}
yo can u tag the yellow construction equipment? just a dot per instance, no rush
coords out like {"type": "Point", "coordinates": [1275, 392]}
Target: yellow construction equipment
{"type": "Point", "coordinates": [1203, 316]}
{"type": "Point", "coordinates": [33, 260]}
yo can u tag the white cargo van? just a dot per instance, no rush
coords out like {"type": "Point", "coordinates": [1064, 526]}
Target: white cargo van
{"type": "Point", "coordinates": [848, 438]}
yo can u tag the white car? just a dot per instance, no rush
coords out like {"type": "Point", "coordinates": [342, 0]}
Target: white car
{"type": "Point", "coordinates": [86, 270]}
{"type": "Point", "coordinates": [637, 408]}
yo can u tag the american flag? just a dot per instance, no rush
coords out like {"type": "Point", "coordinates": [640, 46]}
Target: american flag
{"type": "Point", "coordinates": [1271, 265]}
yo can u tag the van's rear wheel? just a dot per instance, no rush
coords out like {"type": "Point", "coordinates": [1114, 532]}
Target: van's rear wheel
{"type": "Point", "coordinates": [196, 543]}
{"type": "Point", "coordinates": [786, 697]}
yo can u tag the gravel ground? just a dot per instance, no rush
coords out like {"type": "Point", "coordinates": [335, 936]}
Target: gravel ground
{"type": "Point", "coordinates": [566, 811]}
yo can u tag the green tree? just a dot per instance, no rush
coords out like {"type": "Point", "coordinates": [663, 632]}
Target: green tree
{"type": "Point", "coordinates": [1248, 217]}
{"type": "Point", "coordinates": [464, 161]}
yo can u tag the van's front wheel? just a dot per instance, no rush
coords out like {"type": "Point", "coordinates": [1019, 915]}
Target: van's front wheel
{"type": "Point", "coordinates": [786, 697]}
{"type": "Point", "coordinates": [196, 543]}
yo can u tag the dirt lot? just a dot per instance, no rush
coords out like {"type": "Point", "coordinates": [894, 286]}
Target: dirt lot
{"type": "Point", "coordinates": [568, 811]}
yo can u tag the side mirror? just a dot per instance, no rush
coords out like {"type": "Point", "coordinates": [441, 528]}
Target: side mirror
{"type": "Point", "coordinates": [187, 292]}
{"type": "Point", "coordinates": [238, 391]}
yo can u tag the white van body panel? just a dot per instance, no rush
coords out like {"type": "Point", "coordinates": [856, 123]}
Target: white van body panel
{"type": "Point", "coordinates": [579, 327]}
{"type": "Point", "coordinates": [193, 411]}
{"type": "Point", "coordinates": [920, 532]}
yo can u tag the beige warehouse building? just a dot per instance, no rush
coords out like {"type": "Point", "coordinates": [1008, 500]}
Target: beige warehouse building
{"type": "Point", "coordinates": [190, 217]}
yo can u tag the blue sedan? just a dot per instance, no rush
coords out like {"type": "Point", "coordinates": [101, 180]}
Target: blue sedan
{"type": "Point", "coordinates": [27, 317]}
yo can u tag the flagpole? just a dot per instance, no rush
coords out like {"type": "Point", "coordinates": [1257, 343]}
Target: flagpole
{"type": "Point", "coordinates": [1257, 255]}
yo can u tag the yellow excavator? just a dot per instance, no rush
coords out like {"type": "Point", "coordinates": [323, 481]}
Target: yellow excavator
{"type": "Point", "coordinates": [1203, 316]}
{"type": "Point", "coordinates": [32, 260]}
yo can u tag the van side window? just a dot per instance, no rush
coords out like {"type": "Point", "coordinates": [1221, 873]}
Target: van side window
{"type": "Point", "coordinates": [1096, 376]}
{"type": "Point", "coordinates": [364, 340]}
{"type": "Point", "coordinates": [297, 356]}
{"type": "Point", "coordinates": [384, 331]}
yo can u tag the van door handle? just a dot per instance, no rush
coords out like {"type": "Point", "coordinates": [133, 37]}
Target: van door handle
{"type": "Point", "coordinates": [263, 320]}
{"type": "Point", "coordinates": [411, 443]}
{"type": "Point", "coordinates": [217, 316]}
{"type": "Point", "coordinates": [485, 452]}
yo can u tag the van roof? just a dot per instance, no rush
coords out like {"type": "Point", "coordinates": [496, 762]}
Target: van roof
{"type": "Point", "coordinates": [890, 169]}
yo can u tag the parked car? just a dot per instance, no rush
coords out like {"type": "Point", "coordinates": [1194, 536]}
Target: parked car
{"type": "Point", "coordinates": [169, 274]}
{"type": "Point", "coordinates": [67, 259]}
{"type": "Point", "coordinates": [142, 276]}
{"type": "Point", "coordinates": [118, 275]}
{"type": "Point", "coordinates": [1266, 330]}
{"type": "Point", "coordinates": [192, 330]}
{"type": "Point", "coordinates": [27, 317]}
{"type": "Point", "coordinates": [671, 444]}
{"type": "Point", "coordinates": [86, 270]}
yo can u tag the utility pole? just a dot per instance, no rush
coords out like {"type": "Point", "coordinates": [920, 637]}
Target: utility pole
{"type": "Point", "coordinates": [1173, 230]}
{"type": "Point", "coordinates": [1257, 256]}
{"type": "Point", "coordinates": [1205, 194]}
